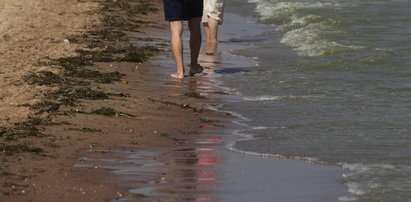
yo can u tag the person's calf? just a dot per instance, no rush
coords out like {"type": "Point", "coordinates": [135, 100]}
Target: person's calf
{"type": "Point", "coordinates": [212, 32]}
{"type": "Point", "coordinates": [176, 30]}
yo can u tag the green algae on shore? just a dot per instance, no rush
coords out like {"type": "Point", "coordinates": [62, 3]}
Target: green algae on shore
{"type": "Point", "coordinates": [45, 106]}
{"type": "Point", "coordinates": [183, 106]}
{"type": "Point", "coordinates": [44, 78]}
{"type": "Point", "coordinates": [86, 130]}
{"type": "Point", "coordinates": [194, 95]}
{"type": "Point", "coordinates": [29, 128]}
{"type": "Point", "coordinates": [12, 149]}
{"type": "Point", "coordinates": [107, 111]}
{"type": "Point", "coordinates": [68, 96]}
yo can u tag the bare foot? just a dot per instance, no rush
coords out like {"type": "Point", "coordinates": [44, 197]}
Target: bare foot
{"type": "Point", "coordinates": [195, 69]}
{"type": "Point", "coordinates": [177, 76]}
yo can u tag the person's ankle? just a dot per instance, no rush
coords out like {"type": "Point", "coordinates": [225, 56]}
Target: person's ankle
{"type": "Point", "coordinates": [212, 41]}
{"type": "Point", "coordinates": [178, 75]}
{"type": "Point", "coordinates": [196, 68]}
{"type": "Point", "coordinates": [194, 65]}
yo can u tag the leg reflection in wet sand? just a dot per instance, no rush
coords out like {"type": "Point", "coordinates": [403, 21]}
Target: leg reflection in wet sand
{"type": "Point", "coordinates": [209, 58]}
{"type": "Point", "coordinates": [189, 174]}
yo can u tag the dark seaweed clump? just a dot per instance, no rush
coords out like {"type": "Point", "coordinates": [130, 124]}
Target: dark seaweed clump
{"type": "Point", "coordinates": [86, 130]}
{"type": "Point", "coordinates": [121, 54]}
{"type": "Point", "coordinates": [194, 95]}
{"type": "Point", "coordinates": [45, 106]}
{"type": "Point", "coordinates": [44, 78]}
{"type": "Point", "coordinates": [68, 96]}
{"type": "Point", "coordinates": [12, 149]}
{"type": "Point", "coordinates": [183, 106]}
{"type": "Point", "coordinates": [107, 111]}
{"type": "Point", "coordinates": [29, 128]}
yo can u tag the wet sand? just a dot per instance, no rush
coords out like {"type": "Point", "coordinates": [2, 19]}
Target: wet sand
{"type": "Point", "coordinates": [198, 167]}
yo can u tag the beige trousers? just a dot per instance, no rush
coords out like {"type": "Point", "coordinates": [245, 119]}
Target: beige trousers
{"type": "Point", "coordinates": [213, 9]}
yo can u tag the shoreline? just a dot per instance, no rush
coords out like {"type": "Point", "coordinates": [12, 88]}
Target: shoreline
{"type": "Point", "coordinates": [325, 176]}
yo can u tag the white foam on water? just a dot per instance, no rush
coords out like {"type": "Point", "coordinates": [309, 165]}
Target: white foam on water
{"type": "Point", "coordinates": [306, 33]}
{"type": "Point", "coordinates": [347, 198]}
{"type": "Point", "coordinates": [359, 167]}
{"type": "Point", "coordinates": [355, 188]}
{"type": "Point", "coordinates": [309, 40]}
{"type": "Point", "coordinates": [240, 133]}
{"type": "Point", "coordinates": [274, 98]}
{"type": "Point", "coordinates": [235, 114]}
{"type": "Point", "coordinates": [231, 147]}
{"type": "Point", "coordinates": [268, 9]}
{"type": "Point", "coordinates": [278, 98]}
{"type": "Point", "coordinates": [309, 47]}
{"type": "Point", "coordinates": [224, 89]}
{"type": "Point", "coordinates": [262, 127]}
{"type": "Point", "coordinates": [247, 127]}
{"type": "Point", "coordinates": [360, 181]}
{"type": "Point", "coordinates": [262, 98]}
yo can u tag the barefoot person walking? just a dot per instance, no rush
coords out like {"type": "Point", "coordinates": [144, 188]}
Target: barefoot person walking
{"type": "Point", "coordinates": [177, 11]}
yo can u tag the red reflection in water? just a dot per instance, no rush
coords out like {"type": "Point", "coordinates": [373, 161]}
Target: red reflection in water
{"type": "Point", "coordinates": [205, 198]}
{"type": "Point", "coordinates": [207, 159]}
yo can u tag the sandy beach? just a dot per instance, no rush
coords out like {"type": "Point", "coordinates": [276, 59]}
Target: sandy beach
{"type": "Point", "coordinates": [33, 30]}
{"type": "Point", "coordinates": [40, 145]}
{"type": "Point", "coordinates": [110, 125]}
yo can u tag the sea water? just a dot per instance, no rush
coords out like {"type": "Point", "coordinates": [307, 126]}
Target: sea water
{"type": "Point", "coordinates": [332, 85]}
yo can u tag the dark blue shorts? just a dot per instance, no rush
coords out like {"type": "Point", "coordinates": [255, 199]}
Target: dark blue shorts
{"type": "Point", "coordinates": [176, 10]}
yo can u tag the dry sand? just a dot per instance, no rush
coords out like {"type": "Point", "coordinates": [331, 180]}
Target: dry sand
{"type": "Point", "coordinates": [31, 30]}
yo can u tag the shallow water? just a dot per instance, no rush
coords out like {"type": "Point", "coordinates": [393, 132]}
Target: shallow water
{"type": "Point", "coordinates": [200, 169]}
{"type": "Point", "coordinates": [331, 84]}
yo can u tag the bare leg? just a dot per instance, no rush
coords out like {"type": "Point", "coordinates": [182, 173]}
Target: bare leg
{"type": "Point", "coordinates": [210, 51]}
{"type": "Point", "coordinates": [211, 48]}
{"type": "Point", "coordinates": [211, 30]}
{"type": "Point", "coordinates": [207, 31]}
{"type": "Point", "coordinates": [176, 31]}
{"type": "Point", "coordinates": [195, 45]}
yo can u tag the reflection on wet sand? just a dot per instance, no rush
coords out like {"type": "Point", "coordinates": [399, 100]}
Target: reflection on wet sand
{"type": "Point", "coordinates": [209, 58]}
{"type": "Point", "coordinates": [188, 174]}
{"type": "Point", "coordinates": [181, 173]}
